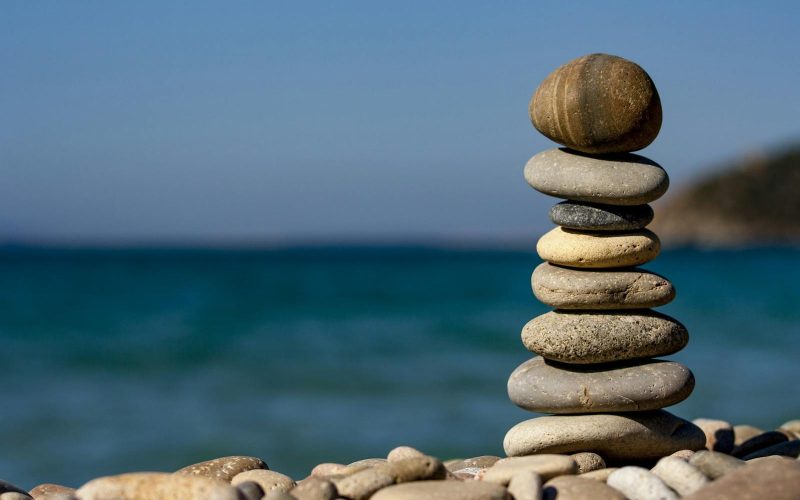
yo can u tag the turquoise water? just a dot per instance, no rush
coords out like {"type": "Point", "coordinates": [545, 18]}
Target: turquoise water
{"type": "Point", "coordinates": [150, 360]}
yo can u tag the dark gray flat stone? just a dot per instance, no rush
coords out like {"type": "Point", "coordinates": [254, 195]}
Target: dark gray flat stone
{"type": "Point", "coordinates": [598, 217]}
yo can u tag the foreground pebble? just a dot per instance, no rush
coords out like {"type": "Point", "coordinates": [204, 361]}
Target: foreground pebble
{"type": "Point", "coordinates": [442, 490]}
{"type": "Point", "coordinates": [156, 486]}
{"type": "Point", "coordinates": [588, 461]}
{"type": "Point", "coordinates": [715, 464]}
{"type": "Point", "coordinates": [525, 485]}
{"type": "Point", "coordinates": [268, 480]}
{"type": "Point", "coordinates": [224, 468]}
{"type": "Point", "coordinates": [680, 475]}
{"type": "Point", "coordinates": [567, 247]}
{"type": "Point", "coordinates": [767, 480]}
{"type": "Point", "coordinates": [579, 488]}
{"type": "Point", "coordinates": [638, 483]}
{"type": "Point", "coordinates": [546, 466]}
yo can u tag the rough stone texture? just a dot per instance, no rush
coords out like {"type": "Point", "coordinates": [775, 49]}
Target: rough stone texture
{"type": "Point", "coordinates": [157, 486]}
{"type": "Point", "coordinates": [599, 474]}
{"type": "Point", "coordinates": [579, 488]}
{"type": "Point", "coordinates": [525, 485]}
{"type": "Point", "coordinates": [588, 461]}
{"type": "Point", "coordinates": [443, 490]}
{"type": "Point", "coordinates": [546, 466]}
{"type": "Point", "coordinates": [481, 462]}
{"type": "Point", "coordinates": [787, 449]}
{"type": "Point", "coordinates": [363, 484]}
{"type": "Point", "coordinates": [639, 435]}
{"type": "Point", "coordinates": [314, 488]}
{"type": "Point", "coordinates": [714, 464]}
{"type": "Point", "coordinates": [742, 433]}
{"type": "Point", "coordinates": [598, 103]}
{"type": "Point", "coordinates": [567, 247]}
{"type": "Point", "coordinates": [719, 434]}
{"type": "Point", "coordinates": [415, 469]}
{"type": "Point", "coordinates": [680, 475]}
{"type": "Point", "coordinates": [402, 452]}
{"type": "Point", "coordinates": [598, 217]}
{"type": "Point", "coordinates": [640, 484]}
{"type": "Point", "coordinates": [763, 440]}
{"type": "Point", "coordinates": [49, 488]}
{"type": "Point", "coordinates": [769, 479]}
{"type": "Point", "coordinates": [223, 468]}
{"type": "Point", "coordinates": [625, 179]}
{"type": "Point", "coordinates": [268, 480]}
{"type": "Point", "coordinates": [566, 288]}
{"type": "Point", "coordinates": [684, 455]}
{"type": "Point", "coordinates": [590, 337]}
{"type": "Point", "coordinates": [547, 387]}
{"type": "Point", "coordinates": [250, 490]}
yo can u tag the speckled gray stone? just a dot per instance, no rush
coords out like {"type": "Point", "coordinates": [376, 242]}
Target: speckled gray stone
{"type": "Point", "coordinates": [632, 288]}
{"type": "Point", "coordinates": [622, 179]}
{"type": "Point", "coordinates": [628, 436]}
{"type": "Point", "coordinates": [598, 217]}
{"type": "Point", "coordinates": [547, 387]}
{"type": "Point", "coordinates": [588, 337]}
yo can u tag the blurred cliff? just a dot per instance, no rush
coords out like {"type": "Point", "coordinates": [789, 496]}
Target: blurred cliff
{"type": "Point", "coordinates": [754, 201]}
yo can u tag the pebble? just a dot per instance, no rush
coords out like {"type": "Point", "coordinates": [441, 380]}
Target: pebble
{"type": "Point", "coordinates": [250, 490]}
{"type": "Point", "coordinates": [599, 474]}
{"type": "Point", "coordinates": [363, 484]}
{"type": "Point", "coordinates": [567, 247]}
{"type": "Point", "coordinates": [482, 462]}
{"type": "Point", "coordinates": [598, 217]}
{"type": "Point", "coordinates": [545, 466]}
{"type": "Point", "coordinates": [680, 475]}
{"type": "Point", "coordinates": [638, 483]}
{"type": "Point", "coordinates": [742, 433]}
{"type": "Point", "coordinates": [769, 479]}
{"type": "Point", "coordinates": [598, 103]}
{"type": "Point", "coordinates": [787, 449]}
{"type": "Point", "coordinates": [443, 490]}
{"type": "Point", "coordinates": [314, 488]}
{"type": "Point", "coordinates": [525, 485]}
{"type": "Point", "coordinates": [63, 496]}
{"type": "Point", "coordinates": [546, 387]}
{"type": "Point", "coordinates": [328, 469]}
{"type": "Point", "coordinates": [763, 440]}
{"type": "Point", "coordinates": [565, 288]}
{"type": "Point", "coordinates": [6, 487]}
{"type": "Point", "coordinates": [579, 488]}
{"type": "Point", "coordinates": [588, 461]}
{"type": "Point", "coordinates": [415, 469]}
{"type": "Point", "coordinates": [590, 337]}
{"type": "Point", "coordinates": [638, 435]}
{"type": "Point", "coordinates": [367, 462]}
{"type": "Point", "coordinates": [223, 468]}
{"type": "Point", "coordinates": [49, 488]}
{"type": "Point", "coordinates": [14, 495]}
{"type": "Point", "coordinates": [714, 464]}
{"type": "Point", "coordinates": [268, 480]}
{"type": "Point", "coordinates": [792, 426]}
{"type": "Point", "coordinates": [719, 434]}
{"type": "Point", "coordinates": [624, 179]}
{"type": "Point", "coordinates": [402, 452]}
{"type": "Point", "coordinates": [684, 455]}
{"type": "Point", "coordinates": [156, 486]}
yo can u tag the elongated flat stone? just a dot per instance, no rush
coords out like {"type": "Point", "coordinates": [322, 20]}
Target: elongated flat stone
{"type": "Point", "coordinates": [546, 387]}
{"type": "Point", "coordinates": [565, 288]}
{"type": "Point", "coordinates": [624, 179]}
{"type": "Point", "coordinates": [639, 435]}
{"type": "Point", "coordinates": [157, 486]}
{"type": "Point", "coordinates": [596, 217]}
{"type": "Point", "coordinates": [589, 337]}
{"type": "Point", "coordinates": [439, 490]}
{"type": "Point", "coordinates": [567, 247]}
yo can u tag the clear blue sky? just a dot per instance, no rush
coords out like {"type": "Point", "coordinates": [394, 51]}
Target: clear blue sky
{"type": "Point", "coordinates": [150, 121]}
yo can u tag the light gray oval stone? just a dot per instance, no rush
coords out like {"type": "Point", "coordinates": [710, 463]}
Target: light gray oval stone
{"type": "Point", "coordinates": [636, 435]}
{"type": "Point", "coordinates": [579, 488]}
{"type": "Point", "coordinates": [546, 387]}
{"type": "Point", "coordinates": [590, 337]}
{"type": "Point", "coordinates": [598, 217]}
{"type": "Point", "coordinates": [633, 288]}
{"type": "Point", "coordinates": [623, 179]}
{"type": "Point", "coordinates": [638, 483]}
{"type": "Point", "coordinates": [680, 475]}
{"type": "Point", "coordinates": [715, 464]}
{"type": "Point", "coordinates": [546, 466]}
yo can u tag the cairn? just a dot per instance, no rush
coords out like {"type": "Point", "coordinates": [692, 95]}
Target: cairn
{"type": "Point", "coordinates": [594, 371]}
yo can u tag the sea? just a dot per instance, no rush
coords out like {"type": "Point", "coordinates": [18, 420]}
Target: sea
{"type": "Point", "coordinates": [120, 360]}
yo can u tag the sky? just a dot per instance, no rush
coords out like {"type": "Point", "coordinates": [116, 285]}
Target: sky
{"type": "Point", "coordinates": [240, 122]}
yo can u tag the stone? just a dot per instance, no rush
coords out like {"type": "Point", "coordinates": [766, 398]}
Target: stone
{"type": "Point", "coordinates": [770, 479]}
{"type": "Point", "coordinates": [680, 475]}
{"type": "Point", "coordinates": [157, 486]}
{"type": "Point", "coordinates": [13, 495]}
{"type": "Point", "coordinates": [684, 455]}
{"type": "Point", "coordinates": [598, 103]}
{"type": "Point", "coordinates": [599, 474]}
{"type": "Point", "coordinates": [278, 495]}
{"type": "Point", "coordinates": [579, 488]}
{"type": "Point", "coordinates": [6, 487]}
{"type": "Point", "coordinates": [591, 337]}
{"type": "Point", "coordinates": [363, 484]}
{"type": "Point", "coordinates": [223, 468]}
{"type": "Point", "coordinates": [547, 387]}
{"type": "Point", "coordinates": [546, 466]}
{"type": "Point", "coordinates": [588, 461]}
{"type": "Point", "coordinates": [787, 449]}
{"type": "Point", "coordinates": [567, 247]}
{"type": "Point", "coordinates": [792, 426]}
{"type": "Point", "coordinates": [368, 462]}
{"type": "Point", "coordinates": [742, 433]}
{"type": "Point", "coordinates": [269, 480]}
{"type": "Point", "coordinates": [586, 216]}
{"type": "Point", "coordinates": [624, 179]}
{"type": "Point", "coordinates": [482, 462]}
{"type": "Point", "coordinates": [714, 464]}
{"type": "Point", "coordinates": [415, 469]}
{"type": "Point", "coordinates": [637, 483]}
{"type": "Point", "coordinates": [402, 452]}
{"type": "Point", "coordinates": [250, 490]}
{"type": "Point", "coordinates": [763, 440]}
{"type": "Point", "coordinates": [314, 488]}
{"type": "Point", "coordinates": [443, 490]}
{"type": "Point", "coordinates": [61, 496]}
{"type": "Point", "coordinates": [637, 435]}
{"type": "Point", "coordinates": [328, 469]}
{"type": "Point", "coordinates": [566, 288]}
{"type": "Point", "coordinates": [49, 488]}
{"type": "Point", "coordinates": [719, 434]}
{"type": "Point", "coordinates": [525, 485]}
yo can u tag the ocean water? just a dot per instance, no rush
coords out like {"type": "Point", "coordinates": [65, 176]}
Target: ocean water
{"type": "Point", "coordinates": [120, 360]}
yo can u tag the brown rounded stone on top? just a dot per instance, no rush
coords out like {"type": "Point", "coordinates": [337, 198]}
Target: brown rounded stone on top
{"type": "Point", "coordinates": [224, 468]}
{"type": "Point", "coordinates": [598, 104]}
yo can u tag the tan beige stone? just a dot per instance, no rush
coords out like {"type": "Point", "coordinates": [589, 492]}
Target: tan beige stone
{"type": "Point", "coordinates": [579, 488]}
{"type": "Point", "coordinates": [567, 247]}
{"type": "Point", "coordinates": [156, 486]}
{"type": "Point", "coordinates": [223, 468]}
{"type": "Point", "coordinates": [268, 480]}
{"type": "Point", "coordinates": [545, 466]}
{"type": "Point", "coordinates": [443, 490]}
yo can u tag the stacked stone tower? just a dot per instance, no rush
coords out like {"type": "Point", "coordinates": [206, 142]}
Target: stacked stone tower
{"type": "Point", "coordinates": [594, 370]}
